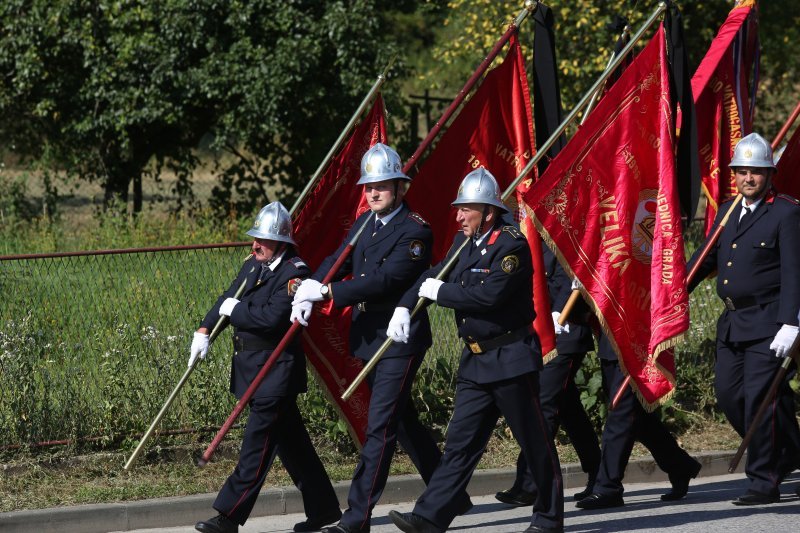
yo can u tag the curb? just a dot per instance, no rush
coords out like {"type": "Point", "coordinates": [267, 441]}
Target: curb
{"type": "Point", "coordinates": [182, 510]}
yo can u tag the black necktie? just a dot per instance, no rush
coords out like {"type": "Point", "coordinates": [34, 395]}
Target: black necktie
{"type": "Point", "coordinates": [378, 225]}
{"type": "Point", "coordinates": [744, 217]}
{"type": "Point", "coordinates": [263, 273]}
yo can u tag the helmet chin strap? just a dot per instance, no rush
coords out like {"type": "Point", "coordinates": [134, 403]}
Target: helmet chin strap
{"type": "Point", "coordinates": [278, 251]}
{"type": "Point", "coordinates": [483, 221]}
{"type": "Point", "coordinates": [393, 205]}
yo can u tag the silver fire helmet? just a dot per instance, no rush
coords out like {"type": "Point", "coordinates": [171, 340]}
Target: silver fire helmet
{"type": "Point", "coordinates": [480, 187]}
{"type": "Point", "coordinates": [752, 151]}
{"type": "Point", "coordinates": [273, 222]}
{"type": "Point", "coordinates": [381, 163]}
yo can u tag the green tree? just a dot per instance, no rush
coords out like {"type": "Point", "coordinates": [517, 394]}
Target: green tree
{"type": "Point", "coordinates": [116, 90]}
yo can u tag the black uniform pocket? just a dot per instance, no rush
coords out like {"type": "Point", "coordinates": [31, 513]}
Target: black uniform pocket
{"type": "Point", "coordinates": [765, 251]}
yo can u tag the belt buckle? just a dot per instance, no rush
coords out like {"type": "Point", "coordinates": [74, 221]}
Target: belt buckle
{"type": "Point", "coordinates": [361, 307]}
{"type": "Point", "coordinates": [729, 304]}
{"type": "Point", "coordinates": [474, 347]}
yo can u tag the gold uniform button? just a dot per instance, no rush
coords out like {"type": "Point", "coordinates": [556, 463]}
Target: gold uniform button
{"type": "Point", "coordinates": [734, 245]}
{"type": "Point", "coordinates": [463, 320]}
{"type": "Point", "coordinates": [763, 244]}
{"type": "Point", "coordinates": [725, 282]}
{"type": "Point", "coordinates": [730, 263]}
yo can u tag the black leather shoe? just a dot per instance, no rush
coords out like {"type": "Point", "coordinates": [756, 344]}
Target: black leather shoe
{"type": "Point", "coordinates": [218, 524]}
{"type": "Point", "coordinates": [516, 497]}
{"type": "Point", "coordinates": [315, 524]}
{"type": "Point", "coordinates": [600, 501]}
{"type": "Point", "coordinates": [342, 528]}
{"type": "Point", "coordinates": [578, 496]}
{"type": "Point", "coordinates": [680, 483]}
{"type": "Point", "coordinates": [752, 497]}
{"type": "Point", "coordinates": [413, 523]}
{"type": "Point", "coordinates": [542, 529]}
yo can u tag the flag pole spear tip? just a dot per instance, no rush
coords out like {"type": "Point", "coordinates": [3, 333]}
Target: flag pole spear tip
{"type": "Point", "coordinates": [389, 65]}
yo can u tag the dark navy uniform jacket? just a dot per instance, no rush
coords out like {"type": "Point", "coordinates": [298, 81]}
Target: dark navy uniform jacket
{"type": "Point", "coordinates": [579, 340]}
{"type": "Point", "coordinates": [383, 267]}
{"type": "Point", "coordinates": [260, 321]}
{"type": "Point", "coordinates": [758, 269]}
{"type": "Point", "coordinates": [491, 291]}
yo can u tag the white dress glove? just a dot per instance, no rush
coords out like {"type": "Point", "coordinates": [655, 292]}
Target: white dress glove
{"type": "Point", "coordinates": [399, 325]}
{"type": "Point", "coordinates": [576, 284]}
{"type": "Point", "coordinates": [784, 340]}
{"type": "Point", "coordinates": [308, 291]}
{"type": "Point", "coordinates": [430, 288]}
{"type": "Point", "coordinates": [558, 327]}
{"type": "Point", "coordinates": [227, 306]}
{"type": "Point", "coordinates": [301, 312]}
{"type": "Point", "coordinates": [199, 347]}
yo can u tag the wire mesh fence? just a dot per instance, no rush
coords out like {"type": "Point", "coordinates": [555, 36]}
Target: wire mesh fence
{"type": "Point", "coordinates": [91, 344]}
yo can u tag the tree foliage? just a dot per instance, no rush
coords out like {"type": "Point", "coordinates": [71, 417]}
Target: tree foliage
{"type": "Point", "coordinates": [584, 43]}
{"type": "Point", "coordinates": [120, 91]}
{"type": "Point", "coordinates": [109, 89]}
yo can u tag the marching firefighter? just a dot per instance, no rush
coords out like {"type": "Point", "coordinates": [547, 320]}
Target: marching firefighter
{"type": "Point", "coordinates": [386, 260]}
{"type": "Point", "coordinates": [275, 427]}
{"type": "Point", "coordinates": [757, 260]}
{"type": "Point", "coordinates": [491, 291]}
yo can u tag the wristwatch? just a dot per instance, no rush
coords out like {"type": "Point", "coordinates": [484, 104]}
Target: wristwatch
{"type": "Point", "coordinates": [324, 290]}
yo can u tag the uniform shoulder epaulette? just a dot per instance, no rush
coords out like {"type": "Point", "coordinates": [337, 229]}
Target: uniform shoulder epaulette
{"type": "Point", "coordinates": [788, 198]}
{"type": "Point", "coordinates": [514, 232]}
{"type": "Point", "coordinates": [415, 217]}
{"type": "Point", "coordinates": [298, 263]}
{"type": "Point", "coordinates": [246, 259]}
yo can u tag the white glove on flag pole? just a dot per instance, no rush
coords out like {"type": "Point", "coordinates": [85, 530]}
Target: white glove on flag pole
{"type": "Point", "coordinates": [784, 340]}
{"type": "Point", "coordinates": [399, 325]}
{"type": "Point", "coordinates": [199, 347]}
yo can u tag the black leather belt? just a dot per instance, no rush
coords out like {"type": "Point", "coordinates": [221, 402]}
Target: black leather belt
{"type": "Point", "coordinates": [252, 345]}
{"type": "Point", "coordinates": [732, 304]}
{"type": "Point", "coordinates": [479, 347]}
{"type": "Point", "coordinates": [366, 307]}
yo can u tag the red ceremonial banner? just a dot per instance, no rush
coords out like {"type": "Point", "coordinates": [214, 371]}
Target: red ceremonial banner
{"type": "Point", "coordinates": [724, 88]}
{"type": "Point", "coordinates": [319, 229]}
{"type": "Point", "coordinates": [787, 181]}
{"type": "Point", "coordinates": [494, 130]}
{"type": "Point", "coordinates": [608, 206]}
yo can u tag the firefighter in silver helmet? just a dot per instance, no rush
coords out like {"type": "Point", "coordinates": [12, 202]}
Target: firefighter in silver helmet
{"type": "Point", "coordinates": [387, 258]}
{"type": "Point", "coordinates": [271, 273]}
{"type": "Point", "coordinates": [491, 291]}
{"type": "Point", "coordinates": [757, 260]}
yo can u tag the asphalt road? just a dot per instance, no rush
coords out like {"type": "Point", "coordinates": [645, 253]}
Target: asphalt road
{"type": "Point", "coordinates": [707, 509]}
